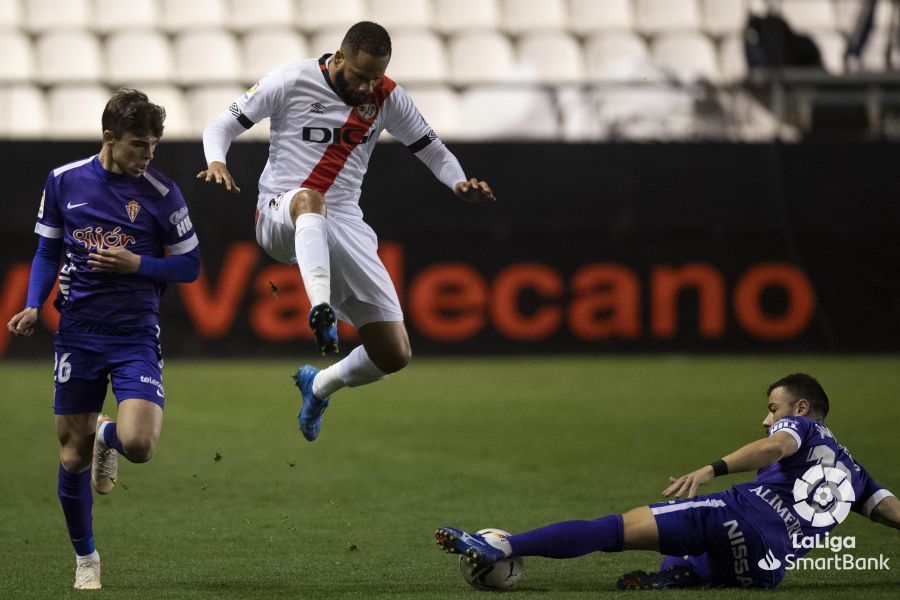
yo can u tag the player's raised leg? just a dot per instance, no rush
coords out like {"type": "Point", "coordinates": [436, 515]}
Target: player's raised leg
{"type": "Point", "coordinates": [307, 210]}
{"type": "Point", "coordinates": [134, 435]}
{"type": "Point", "coordinates": [75, 432]}
{"type": "Point", "coordinates": [385, 349]}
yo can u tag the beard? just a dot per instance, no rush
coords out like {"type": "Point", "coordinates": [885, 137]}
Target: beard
{"type": "Point", "coordinates": [343, 90]}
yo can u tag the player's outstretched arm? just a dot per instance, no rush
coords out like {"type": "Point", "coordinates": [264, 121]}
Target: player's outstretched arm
{"type": "Point", "coordinates": [218, 172]}
{"type": "Point", "coordinates": [751, 457]}
{"type": "Point", "coordinates": [474, 191]}
{"type": "Point", "coordinates": [887, 512]}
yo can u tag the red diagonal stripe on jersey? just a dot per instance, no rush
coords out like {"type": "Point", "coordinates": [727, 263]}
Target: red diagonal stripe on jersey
{"type": "Point", "coordinates": [335, 157]}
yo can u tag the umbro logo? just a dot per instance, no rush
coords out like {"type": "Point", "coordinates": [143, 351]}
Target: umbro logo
{"type": "Point", "coordinates": [317, 108]}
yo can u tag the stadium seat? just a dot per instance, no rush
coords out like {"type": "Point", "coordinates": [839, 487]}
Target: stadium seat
{"type": "Point", "coordinates": [586, 16]}
{"type": "Point", "coordinates": [112, 15]}
{"type": "Point", "coordinates": [10, 14]}
{"type": "Point", "coordinates": [208, 102]}
{"type": "Point", "coordinates": [499, 113]}
{"type": "Point", "coordinates": [313, 15]}
{"type": "Point", "coordinates": [615, 56]}
{"type": "Point", "coordinates": [138, 56]}
{"type": "Point", "coordinates": [258, 14]}
{"type": "Point", "coordinates": [832, 46]}
{"type": "Point", "coordinates": [689, 55]}
{"type": "Point", "coordinates": [528, 15]}
{"type": "Point", "coordinates": [401, 14]}
{"type": "Point", "coordinates": [732, 59]}
{"type": "Point", "coordinates": [18, 56]}
{"type": "Point", "coordinates": [874, 54]}
{"type": "Point", "coordinates": [178, 15]}
{"type": "Point", "coordinates": [23, 112]}
{"type": "Point", "coordinates": [41, 15]}
{"type": "Point", "coordinates": [806, 15]}
{"type": "Point", "coordinates": [206, 56]}
{"type": "Point", "coordinates": [552, 57]}
{"type": "Point", "coordinates": [655, 16]}
{"type": "Point", "coordinates": [847, 11]}
{"type": "Point", "coordinates": [326, 41]}
{"type": "Point", "coordinates": [75, 111]}
{"type": "Point", "coordinates": [452, 16]}
{"type": "Point", "coordinates": [481, 57]}
{"type": "Point", "coordinates": [724, 17]}
{"type": "Point", "coordinates": [268, 48]}
{"type": "Point", "coordinates": [417, 57]}
{"type": "Point", "coordinates": [440, 106]}
{"type": "Point", "coordinates": [178, 119]}
{"type": "Point", "coordinates": [55, 52]}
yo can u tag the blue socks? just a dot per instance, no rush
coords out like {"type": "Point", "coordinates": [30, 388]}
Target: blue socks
{"type": "Point", "coordinates": [111, 438]}
{"type": "Point", "coordinates": [76, 499]}
{"type": "Point", "coordinates": [571, 538]}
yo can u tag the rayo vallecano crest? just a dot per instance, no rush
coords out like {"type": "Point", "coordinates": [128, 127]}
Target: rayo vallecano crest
{"type": "Point", "coordinates": [132, 207]}
{"type": "Point", "coordinates": [367, 112]}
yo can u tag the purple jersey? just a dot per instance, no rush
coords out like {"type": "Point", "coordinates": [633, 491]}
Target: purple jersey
{"type": "Point", "coordinates": [815, 488]}
{"type": "Point", "coordinates": [89, 207]}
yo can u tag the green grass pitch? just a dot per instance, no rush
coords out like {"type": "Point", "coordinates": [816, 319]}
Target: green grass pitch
{"type": "Point", "coordinates": [236, 504]}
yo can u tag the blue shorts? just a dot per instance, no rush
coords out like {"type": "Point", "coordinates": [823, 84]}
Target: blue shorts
{"type": "Point", "coordinates": [721, 526]}
{"type": "Point", "coordinates": [84, 364]}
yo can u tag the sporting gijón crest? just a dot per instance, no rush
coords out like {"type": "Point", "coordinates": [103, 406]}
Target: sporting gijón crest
{"type": "Point", "coordinates": [133, 208]}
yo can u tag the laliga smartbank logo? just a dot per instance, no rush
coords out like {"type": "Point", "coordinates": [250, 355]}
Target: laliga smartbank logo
{"type": "Point", "coordinates": [823, 497]}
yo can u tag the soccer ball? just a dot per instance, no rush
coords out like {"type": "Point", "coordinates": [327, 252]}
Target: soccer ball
{"type": "Point", "coordinates": [500, 576]}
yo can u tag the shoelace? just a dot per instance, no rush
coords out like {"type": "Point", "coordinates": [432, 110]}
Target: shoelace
{"type": "Point", "coordinates": [87, 572]}
{"type": "Point", "coordinates": [104, 466]}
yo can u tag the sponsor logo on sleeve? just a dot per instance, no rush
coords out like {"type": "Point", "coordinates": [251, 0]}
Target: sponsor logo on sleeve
{"type": "Point", "coordinates": [41, 207]}
{"type": "Point", "coordinates": [181, 220]}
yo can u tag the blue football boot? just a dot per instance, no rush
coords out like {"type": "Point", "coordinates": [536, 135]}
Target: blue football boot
{"type": "Point", "coordinates": [478, 550]}
{"type": "Point", "coordinates": [323, 323]}
{"type": "Point", "coordinates": [312, 408]}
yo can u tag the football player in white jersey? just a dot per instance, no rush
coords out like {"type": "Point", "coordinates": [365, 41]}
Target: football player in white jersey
{"type": "Point", "coordinates": [326, 115]}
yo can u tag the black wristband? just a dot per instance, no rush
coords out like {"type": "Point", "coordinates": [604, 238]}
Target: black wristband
{"type": "Point", "coordinates": [720, 467]}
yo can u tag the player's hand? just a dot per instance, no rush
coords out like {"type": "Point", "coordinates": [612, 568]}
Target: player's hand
{"type": "Point", "coordinates": [23, 323]}
{"type": "Point", "coordinates": [219, 172]}
{"type": "Point", "coordinates": [114, 260]}
{"type": "Point", "coordinates": [686, 485]}
{"type": "Point", "coordinates": [474, 191]}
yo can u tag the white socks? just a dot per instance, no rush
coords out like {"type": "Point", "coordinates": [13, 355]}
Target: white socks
{"type": "Point", "coordinates": [311, 248]}
{"type": "Point", "coordinates": [354, 370]}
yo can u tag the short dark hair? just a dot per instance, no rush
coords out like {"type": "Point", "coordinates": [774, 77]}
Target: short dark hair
{"type": "Point", "coordinates": [369, 37]}
{"type": "Point", "coordinates": [803, 386]}
{"type": "Point", "coordinates": [130, 110]}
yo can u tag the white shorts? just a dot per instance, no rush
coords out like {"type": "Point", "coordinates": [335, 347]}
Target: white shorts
{"type": "Point", "coordinates": [361, 289]}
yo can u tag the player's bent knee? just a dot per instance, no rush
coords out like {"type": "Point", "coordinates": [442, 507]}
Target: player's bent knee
{"type": "Point", "coordinates": [138, 450]}
{"type": "Point", "coordinates": [394, 361]}
{"type": "Point", "coordinates": [76, 459]}
{"type": "Point", "coordinates": [307, 201]}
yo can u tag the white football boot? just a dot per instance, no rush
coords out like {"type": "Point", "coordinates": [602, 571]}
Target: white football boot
{"type": "Point", "coordinates": [105, 465]}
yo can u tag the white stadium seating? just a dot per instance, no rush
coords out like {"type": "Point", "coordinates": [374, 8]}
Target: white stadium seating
{"type": "Point", "coordinates": [55, 50]}
{"type": "Point", "coordinates": [418, 57]}
{"type": "Point", "coordinates": [397, 15]}
{"type": "Point", "coordinates": [23, 112]}
{"type": "Point", "coordinates": [454, 54]}
{"type": "Point", "coordinates": [18, 57]}
{"type": "Point", "coordinates": [139, 56]}
{"type": "Point", "coordinates": [75, 110]}
{"type": "Point", "coordinates": [112, 15]}
{"type": "Point", "coordinates": [586, 16]}
{"type": "Point", "coordinates": [266, 48]}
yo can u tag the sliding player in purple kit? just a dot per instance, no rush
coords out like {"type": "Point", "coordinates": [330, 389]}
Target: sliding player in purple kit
{"type": "Point", "coordinates": [805, 485]}
{"type": "Point", "coordinates": [123, 231]}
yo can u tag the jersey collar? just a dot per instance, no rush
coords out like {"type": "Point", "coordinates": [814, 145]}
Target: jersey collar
{"type": "Point", "coordinates": [323, 67]}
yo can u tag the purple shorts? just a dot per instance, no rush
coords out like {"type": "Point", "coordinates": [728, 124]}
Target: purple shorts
{"type": "Point", "coordinates": [85, 363]}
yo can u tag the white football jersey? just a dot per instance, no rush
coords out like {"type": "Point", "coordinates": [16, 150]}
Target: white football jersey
{"type": "Point", "coordinates": [319, 142]}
